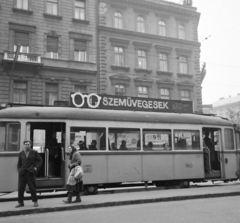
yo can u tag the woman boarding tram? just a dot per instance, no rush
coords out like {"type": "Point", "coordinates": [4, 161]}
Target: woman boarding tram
{"type": "Point", "coordinates": [176, 155]}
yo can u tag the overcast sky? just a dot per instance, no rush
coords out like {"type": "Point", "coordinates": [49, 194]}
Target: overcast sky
{"type": "Point", "coordinates": [220, 19]}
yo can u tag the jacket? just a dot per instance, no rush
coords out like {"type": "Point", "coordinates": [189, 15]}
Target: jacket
{"type": "Point", "coordinates": [29, 163]}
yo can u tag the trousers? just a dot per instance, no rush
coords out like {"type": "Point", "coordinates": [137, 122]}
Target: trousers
{"type": "Point", "coordinates": [29, 179]}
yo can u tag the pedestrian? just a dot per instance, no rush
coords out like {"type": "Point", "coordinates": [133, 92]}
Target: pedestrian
{"type": "Point", "coordinates": [29, 162]}
{"type": "Point", "coordinates": [73, 185]}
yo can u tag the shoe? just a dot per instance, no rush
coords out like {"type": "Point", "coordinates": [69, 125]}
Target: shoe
{"type": "Point", "coordinates": [19, 205]}
{"type": "Point", "coordinates": [77, 201]}
{"type": "Point", "coordinates": [35, 204]}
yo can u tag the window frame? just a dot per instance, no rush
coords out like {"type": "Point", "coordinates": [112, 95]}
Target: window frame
{"type": "Point", "coordinates": [19, 90]}
{"type": "Point", "coordinates": [52, 54]}
{"type": "Point", "coordinates": [46, 91]}
{"type": "Point", "coordinates": [22, 3]}
{"type": "Point", "coordinates": [142, 58]}
{"type": "Point", "coordinates": [162, 29]}
{"type": "Point", "coordinates": [83, 9]}
{"type": "Point", "coordinates": [119, 57]}
{"type": "Point", "coordinates": [118, 20]}
{"type": "Point", "coordinates": [141, 24]}
{"type": "Point", "coordinates": [181, 31]}
{"type": "Point", "coordinates": [119, 92]}
{"type": "Point", "coordinates": [163, 62]}
{"type": "Point", "coordinates": [142, 94]}
{"type": "Point", "coordinates": [51, 2]}
{"type": "Point", "coordinates": [183, 96]}
{"type": "Point", "coordinates": [162, 92]}
{"type": "Point", "coordinates": [183, 65]}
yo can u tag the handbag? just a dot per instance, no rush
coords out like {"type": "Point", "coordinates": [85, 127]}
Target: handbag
{"type": "Point", "coordinates": [78, 172]}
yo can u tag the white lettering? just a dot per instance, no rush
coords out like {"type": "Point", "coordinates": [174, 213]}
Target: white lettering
{"type": "Point", "coordinates": [145, 104]}
{"type": "Point", "coordinates": [155, 104]}
{"type": "Point", "coordinates": [105, 101]}
{"type": "Point", "coordinates": [139, 103]}
{"type": "Point", "coordinates": [116, 102]}
{"type": "Point", "coordinates": [150, 104]}
{"type": "Point", "coordinates": [110, 101]}
{"type": "Point", "coordinates": [122, 102]}
{"type": "Point", "coordinates": [165, 105]}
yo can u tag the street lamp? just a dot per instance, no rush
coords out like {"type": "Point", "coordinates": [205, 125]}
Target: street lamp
{"type": "Point", "coordinates": [13, 66]}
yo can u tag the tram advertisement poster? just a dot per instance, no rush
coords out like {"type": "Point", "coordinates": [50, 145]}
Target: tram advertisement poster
{"type": "Point", "coordinates": [98, 101]}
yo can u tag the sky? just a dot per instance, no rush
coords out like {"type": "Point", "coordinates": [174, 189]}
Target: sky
{"type": "Point", "coordinates": [219, 35]}
{"type": "Point", "coordinates": [220, 24]}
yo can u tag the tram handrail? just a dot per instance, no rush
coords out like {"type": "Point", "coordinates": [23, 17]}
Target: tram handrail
{"type": "Point", "coordinates": [46, 162]}
{"type": "Point", "coordinates": [63, 158]}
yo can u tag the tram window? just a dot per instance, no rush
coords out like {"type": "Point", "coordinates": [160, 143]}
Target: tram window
{"type": "Point", "coordinates": [186, 140]}
{"type": "Point", "coordinates": [157, 139]}
{"type": "Point", "coordinates": [238, 140]}
{"type": "Point", "coordinates": [88, 138]}
{"type": "Point", "coordinates": [9, 136]}
{"type": "Point", "coordinates": [124, 139]}
{"type": "Point", "coordinates": [228, 138]}
{"type": "Point", "coordinates": [39, 140]}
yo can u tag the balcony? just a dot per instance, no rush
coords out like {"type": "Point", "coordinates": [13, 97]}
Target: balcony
{"type": "Point", "coordinates": [22, 57]}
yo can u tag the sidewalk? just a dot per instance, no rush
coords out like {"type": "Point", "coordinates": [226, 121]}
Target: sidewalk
{"type": "Point", "coordinates": [116, 199]}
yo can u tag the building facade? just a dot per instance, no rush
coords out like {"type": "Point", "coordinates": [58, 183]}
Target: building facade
{"type": "Point", "coordinates": [47, 49]}
{"type": "Point", "coordinates": [149, 48]}
{"type": "Point", "coordinates": [225, 107]}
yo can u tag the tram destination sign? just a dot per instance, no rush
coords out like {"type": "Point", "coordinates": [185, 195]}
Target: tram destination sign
{"type": "Point", "coordinates": [98, 101]}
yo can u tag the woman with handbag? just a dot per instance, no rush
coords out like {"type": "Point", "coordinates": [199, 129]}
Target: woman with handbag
{"type": "Point", "coordinates": [74, 185]}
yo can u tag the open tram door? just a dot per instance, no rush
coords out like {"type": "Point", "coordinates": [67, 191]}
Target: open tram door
{"type": "Point", "coordinates": [49, 140]}
{"type": "Point", "coordinates": [212, 149]}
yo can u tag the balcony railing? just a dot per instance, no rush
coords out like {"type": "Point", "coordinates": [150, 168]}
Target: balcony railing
{"type": "Point", "coordinates": [22, 57]}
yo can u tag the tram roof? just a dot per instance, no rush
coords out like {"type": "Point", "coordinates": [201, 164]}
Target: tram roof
{"type": "Point", "coordinates": [67, 113]}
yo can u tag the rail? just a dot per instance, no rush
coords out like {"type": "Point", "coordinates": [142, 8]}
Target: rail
{"type": "Point", "coordinates": [46, 162]}
{"type": "Point", "coordinates": [63, 154]}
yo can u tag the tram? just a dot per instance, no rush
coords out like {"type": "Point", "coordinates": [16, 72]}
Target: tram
{"type": "Point", "coordinates": [117, 146]}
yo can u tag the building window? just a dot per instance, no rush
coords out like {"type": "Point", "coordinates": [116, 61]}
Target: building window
{"type": "Point", "coordinates": [163, 62]}
{"type": "Point", "coordinates": [80, 10]}
{"type": "Point", "coordinates": [51, 93]}
{"type": "Point", "coordinates": [142, 59]}
{"type": "Point", "coordinates": [162, 28]}
{"type": "Point", "coordinates": [81, 88]}
{"type": "Point", "coordinates": [120, 90]}
{"type": "Point", "coordinates": [181, 32]}
{"type": "Point", "coordinates": [142, 92]}
{"type": "Point", "coordinates": [20, 92]}
{"type": "Point", "coordinates": [118, 56]}
{"type": "Point", "coordinates": [22, 4]}
{"type": "Point", "coordinates": [22, 39]}
{"type": "Point", "coordinates": [80, 51]}
{"type": "Point", "coordinates": [52, 7]}
{"type": "Point", "coordinates": [52, 47]}
{"type": "Point", "coordinates": [118, 20]}
{"type": "Point", "coordinates": [185, 95]}
{"type": "Point", "coordinates": [141, 24]}
{"type": "Point", "coordinates": [164, 93]}
{"type": "Point", "coordinates": [183, 66]}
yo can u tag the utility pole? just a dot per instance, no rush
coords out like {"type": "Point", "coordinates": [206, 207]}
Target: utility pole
{"type": "Point", "coordinates": [13, 66]}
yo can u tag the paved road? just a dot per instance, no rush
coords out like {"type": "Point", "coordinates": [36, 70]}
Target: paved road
{"type": "Point", "coordinates": [211, 210]}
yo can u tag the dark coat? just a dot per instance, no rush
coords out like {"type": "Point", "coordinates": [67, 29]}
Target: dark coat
{"type": "Point", "coordinates": [28, 163]}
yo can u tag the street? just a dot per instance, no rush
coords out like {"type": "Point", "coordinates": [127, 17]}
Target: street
{"type": "Point", "coordinates": [219, 210]}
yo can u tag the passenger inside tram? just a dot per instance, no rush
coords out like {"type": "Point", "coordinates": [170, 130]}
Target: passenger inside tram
{"type": "Point", "coordinates": [123, 145]}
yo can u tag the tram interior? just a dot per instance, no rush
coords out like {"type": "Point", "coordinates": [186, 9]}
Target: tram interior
{"type": "Point", "coordinates": [51, 137]}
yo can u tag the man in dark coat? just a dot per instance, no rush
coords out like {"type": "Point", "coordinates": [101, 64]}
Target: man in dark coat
{"type": "Point", "coordinates": [29, 162]}
{"type": "Point", "coordinates": [210, 144]}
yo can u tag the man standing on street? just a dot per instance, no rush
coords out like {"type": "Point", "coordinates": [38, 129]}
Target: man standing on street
{"type": "Point", "coordinates": [29, 162]}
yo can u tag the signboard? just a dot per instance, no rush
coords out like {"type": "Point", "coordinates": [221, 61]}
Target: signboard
{"type": "Point", "coordinates": [96, 101]}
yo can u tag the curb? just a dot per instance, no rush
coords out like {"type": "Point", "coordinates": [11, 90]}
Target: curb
{"type": "Point", "coordinates": [115, 203]}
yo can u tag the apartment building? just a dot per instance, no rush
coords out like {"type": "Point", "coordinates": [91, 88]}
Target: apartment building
{"type": "Point", "coordinates": [149, 48]}
{"type": "Point", "coordinates": [47, 50]}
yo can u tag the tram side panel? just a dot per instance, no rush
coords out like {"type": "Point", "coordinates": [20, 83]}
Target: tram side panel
{"type": "Point", "coordinates": [8, 173]}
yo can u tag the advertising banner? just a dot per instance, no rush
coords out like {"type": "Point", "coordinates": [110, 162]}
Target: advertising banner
{"type": "Point", "coordinates": [114, 102]}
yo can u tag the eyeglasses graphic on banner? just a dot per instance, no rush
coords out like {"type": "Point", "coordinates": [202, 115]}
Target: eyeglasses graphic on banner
{"type": "Point", "coordinates": [91, 98]}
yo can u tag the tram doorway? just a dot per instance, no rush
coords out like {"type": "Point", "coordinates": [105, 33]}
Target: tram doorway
{"type": "Point", "coordinates": [212, 144]}
{"type": "Point", "coordinates": [49, 140]}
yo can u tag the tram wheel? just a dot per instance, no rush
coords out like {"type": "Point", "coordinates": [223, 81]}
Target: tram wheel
{"type": "Point", "coordinates": [91, 189]}
{"type": "Point", "coordinates": [184, 184]}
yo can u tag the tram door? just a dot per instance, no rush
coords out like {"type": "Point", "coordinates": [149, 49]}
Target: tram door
{"type": "Point", "coordinates": [212, 139]}
{"type": "Point", "coordinates": [49, 140]}
{"type": "Point", "coordinates": [230, 158]}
